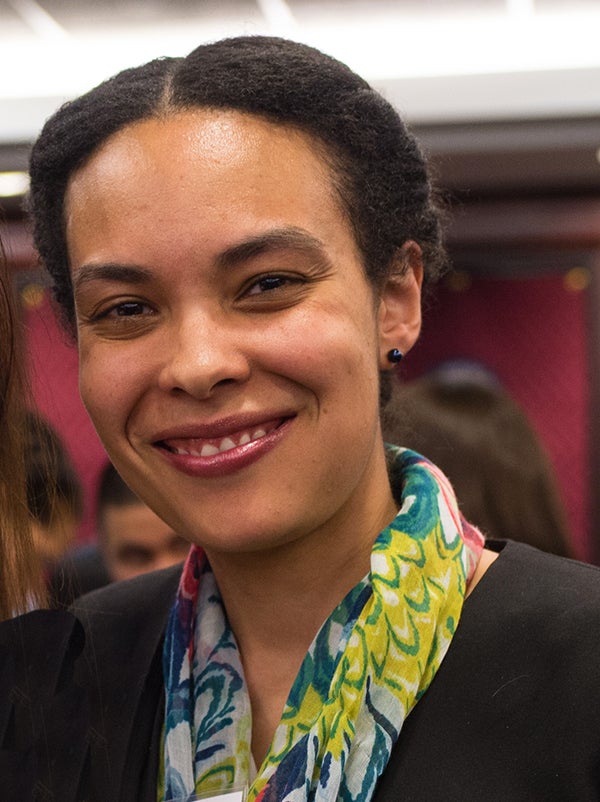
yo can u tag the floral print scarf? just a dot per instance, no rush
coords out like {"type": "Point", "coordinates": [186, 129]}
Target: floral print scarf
{"type": "Point", "coordinates": [367, 667]}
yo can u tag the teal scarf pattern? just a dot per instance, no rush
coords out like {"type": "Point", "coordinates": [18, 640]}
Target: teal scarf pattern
{"type": "Point", "coordinates": [369, 664]}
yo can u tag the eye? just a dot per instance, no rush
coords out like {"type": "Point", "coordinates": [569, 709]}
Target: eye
{"type": "Point", "coordinates": [272, 292]}
{"type": "Point", "coordinates": [117, 317]}
{"type": "Point", "coordinates": [129, 309]}
{"type": "Point", "coordinates": [270, 283]}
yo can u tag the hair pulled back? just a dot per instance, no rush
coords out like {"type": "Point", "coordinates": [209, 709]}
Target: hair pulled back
{"type": "Point", "coordinates": [378, 169]}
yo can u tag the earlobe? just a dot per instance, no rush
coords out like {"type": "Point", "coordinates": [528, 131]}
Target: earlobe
{"type": "Point", "coordinates": [400, 304]}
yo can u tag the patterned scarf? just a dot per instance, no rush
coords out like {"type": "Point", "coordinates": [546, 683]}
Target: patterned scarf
{"type": "Point", "coordinates": [367, 667]}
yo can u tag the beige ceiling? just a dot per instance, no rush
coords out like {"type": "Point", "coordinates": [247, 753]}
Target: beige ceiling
{"type": "Point", "coordinates": [494, 112]}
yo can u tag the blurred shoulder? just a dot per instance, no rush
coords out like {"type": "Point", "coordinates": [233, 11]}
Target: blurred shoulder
{"type": "Point", "coordinates": [43, 713]}
{"type": "Point", "coordinates": [41, 641]}
{"type": "Point", "coordinates": [135, 596]}
{"type": "Point", "coordinates": [131, 612]}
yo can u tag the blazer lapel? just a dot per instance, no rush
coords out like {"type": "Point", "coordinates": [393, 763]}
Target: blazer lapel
{"type": "Point", "coordinates": [122, 671]}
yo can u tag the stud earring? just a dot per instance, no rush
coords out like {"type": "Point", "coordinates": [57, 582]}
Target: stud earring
{"type": "Point", "coordinates": [394, 356]}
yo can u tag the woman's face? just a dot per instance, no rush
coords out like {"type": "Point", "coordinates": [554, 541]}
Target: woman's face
{"type": "Point", "coordinates": [229, 341]}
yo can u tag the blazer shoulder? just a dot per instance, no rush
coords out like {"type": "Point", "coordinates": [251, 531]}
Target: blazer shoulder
{"type": "Point", "coordinates": [531, 581]}
{"type": "Point", "coordinates": [141, 597]}
{"type": "Point", "coordinates": [124, 622]}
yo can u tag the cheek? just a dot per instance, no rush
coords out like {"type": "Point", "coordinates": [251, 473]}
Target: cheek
{"type": "Point", "coordinates": [108, 384]}
{"type": "Point", "coordinates": [333, 345]}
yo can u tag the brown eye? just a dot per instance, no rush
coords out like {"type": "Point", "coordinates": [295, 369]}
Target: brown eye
{"type": "Point", "coordinates": [269, 283]}
{"type": "Point", "coordinates": [130, 308]}
{"type": "Point", "coordinates": [125, 309]}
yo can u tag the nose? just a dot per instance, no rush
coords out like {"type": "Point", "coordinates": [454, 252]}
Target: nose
{"type": "Point", "coordinates": [201, 354]}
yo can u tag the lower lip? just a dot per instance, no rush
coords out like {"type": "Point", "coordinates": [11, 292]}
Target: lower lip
{"type": "Point", "coordinates": [228, 462]}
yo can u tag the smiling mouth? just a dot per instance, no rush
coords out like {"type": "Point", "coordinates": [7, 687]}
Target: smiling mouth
{"type": "Point", "coordinates": [209, 447]}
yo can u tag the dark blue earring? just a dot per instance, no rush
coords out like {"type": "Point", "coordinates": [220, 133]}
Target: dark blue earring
{"type": "Point", "coordinates": [394, 356]}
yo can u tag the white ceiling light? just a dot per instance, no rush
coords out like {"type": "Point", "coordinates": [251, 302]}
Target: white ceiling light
{"type": "Point", "coordinates": [13, 184]}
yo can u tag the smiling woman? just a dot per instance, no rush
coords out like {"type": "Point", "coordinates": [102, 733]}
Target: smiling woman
{"type": "Point", "coordinates": [252, 304]}
{"type": "Point", "coordinates": [238, 240]}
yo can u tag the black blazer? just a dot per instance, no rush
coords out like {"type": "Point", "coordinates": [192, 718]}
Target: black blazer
{"type": "Point", "coordinates": [513, 713]}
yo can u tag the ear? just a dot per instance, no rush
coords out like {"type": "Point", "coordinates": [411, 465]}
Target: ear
{"type": "Point", "coordinates": [399, 316]}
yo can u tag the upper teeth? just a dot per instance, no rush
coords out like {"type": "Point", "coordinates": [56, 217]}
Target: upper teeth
{"type": "Point", "coordinates": [226, 444]}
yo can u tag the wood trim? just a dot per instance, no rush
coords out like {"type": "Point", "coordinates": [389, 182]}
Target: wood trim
{"type": "Point", "coordinates": [558, 223]}
{"type": "Point", "coordinates": [18, 245]}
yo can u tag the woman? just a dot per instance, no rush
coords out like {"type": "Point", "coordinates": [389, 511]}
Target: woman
{"type": "Point", "coordinates": [38, 650]}
{"type": "Point", "coordinates": [54, 493]}
{"type": "Point", "coordinates": [20, 578]}
{"type": "Point", "coordinates": [238, 241]}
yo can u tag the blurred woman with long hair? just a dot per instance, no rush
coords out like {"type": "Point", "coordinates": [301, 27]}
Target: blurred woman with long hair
{"type": "Point", "coordinates": [37, 650]}
{"type": "Point", "coordinates": [20, 581]}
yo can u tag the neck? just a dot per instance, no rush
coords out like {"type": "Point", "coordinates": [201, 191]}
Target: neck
{"type": "Point", "coordinates": [283, 594]}
{"type": "Point", "coordinates": [278, 599]}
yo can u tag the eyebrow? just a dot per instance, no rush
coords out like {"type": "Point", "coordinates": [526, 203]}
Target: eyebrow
{"type": "Point", "coordinates": [110, 271]}
{"type": "Point", "coordinates": [278, 239]}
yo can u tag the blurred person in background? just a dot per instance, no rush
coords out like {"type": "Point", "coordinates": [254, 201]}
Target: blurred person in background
{"type": "Point", "coordinates": [54, 492]}
{"type": "Point", "coordinates": [461, 418]}
{"type": "Point", "coordinates": [37, 650]}
{"type": "Point", "coordinates": [20, 574]}
{"type": "Point", "coordinates": [132, 540]}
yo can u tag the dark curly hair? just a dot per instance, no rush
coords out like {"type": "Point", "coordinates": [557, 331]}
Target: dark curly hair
{"type": "Point", "coordinates": [378, 169]}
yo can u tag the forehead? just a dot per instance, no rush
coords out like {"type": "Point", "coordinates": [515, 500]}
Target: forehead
{"type": "Point", "coordinates": [200, 179]}
{"type": "Point", "coordinates": [217, 145]}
